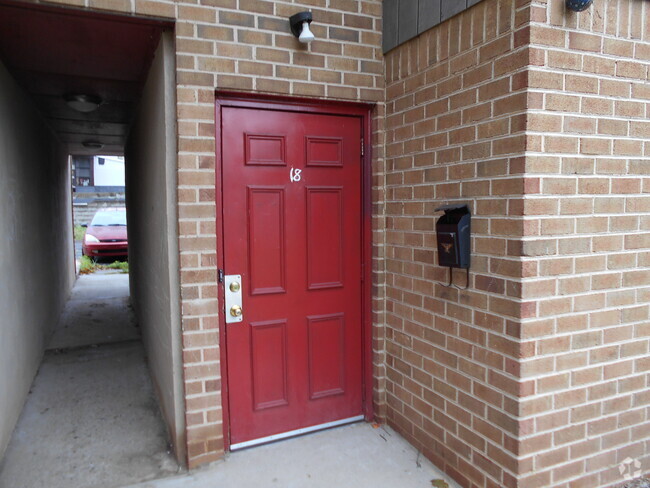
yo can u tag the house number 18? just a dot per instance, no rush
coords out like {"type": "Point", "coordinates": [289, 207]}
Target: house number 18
{"type": "Point", "coordinates": [294, 175]}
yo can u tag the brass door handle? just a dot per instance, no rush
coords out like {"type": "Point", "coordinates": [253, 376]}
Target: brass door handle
{"type": "Point", "coordinates": [235, 311]}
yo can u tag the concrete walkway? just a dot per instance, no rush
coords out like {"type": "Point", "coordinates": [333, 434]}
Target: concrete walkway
{"type": "Point", "coordinates": [354, 456]}
{"type": "Point", "coordinates": [98, 312]}
{"type": "Point", "coordinates": [91, 419]}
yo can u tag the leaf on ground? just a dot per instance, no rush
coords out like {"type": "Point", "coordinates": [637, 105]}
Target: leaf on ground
{"type": "Point", "coordinates": [439, 484]}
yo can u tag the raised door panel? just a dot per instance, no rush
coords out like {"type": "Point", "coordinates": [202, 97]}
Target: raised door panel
{"type": "Point", "coordinates": [324, 237]}
{"type": "Point", "coordinates": [326, 355]}
{"type": "Point", "coordinates": [268, 354]}
{"type": "Point", "coordinates": [324, 151]}
{"type": "Point", "coordinates": [266, 240]}
{"type": "Point", "coordinates": [265, 150]}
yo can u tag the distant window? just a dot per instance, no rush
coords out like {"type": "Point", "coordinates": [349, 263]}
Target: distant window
{"type": "Point", "coordinates": [100, 161]}
{"type": "Point", "coordinates": [83, 170]}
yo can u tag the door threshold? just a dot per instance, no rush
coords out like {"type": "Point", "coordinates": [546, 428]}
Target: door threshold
{"type": "Point", "coordinates": [294, 433]}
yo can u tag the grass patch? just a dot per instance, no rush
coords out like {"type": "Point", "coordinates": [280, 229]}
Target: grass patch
{"type": "Point", "coordinates": [79, 233]}
{"type": "Point", "coordinates": [88, 265]}
{"type": "Point", "coordinates": [121, 265]}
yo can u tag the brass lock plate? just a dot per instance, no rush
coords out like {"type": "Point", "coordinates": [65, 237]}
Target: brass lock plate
{"type": "Point", "coordinates": [233, 294]}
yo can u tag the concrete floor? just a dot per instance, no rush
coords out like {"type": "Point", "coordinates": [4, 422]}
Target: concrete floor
{"type": "Point", "coordinates": [98, 312]}
{"type": "Point", "coordinates": [354, 456]}
{"type": "Point", "coordinates": [91, 419]}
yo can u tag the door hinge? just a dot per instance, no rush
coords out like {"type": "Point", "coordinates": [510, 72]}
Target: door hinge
{"type": "Point", "coordinates": [362, 146]}
{"type": "Point", "coordinates": [220, 275]}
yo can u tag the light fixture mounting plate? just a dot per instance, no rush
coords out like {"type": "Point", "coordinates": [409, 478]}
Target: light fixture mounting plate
{"type": "Point", "coordinates": [296, 21]}
{"type": "Point", "coordinates": [578, 5]}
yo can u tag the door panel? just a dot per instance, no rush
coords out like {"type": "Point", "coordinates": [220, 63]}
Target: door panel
{"type": "Point", "coordinates": [265, 150]}
{"type": "Point", "coordinates": [324, 237]}
{"type": "Point", "coordinates": [269, 364]}
{"type": "Point", "coordinates": [292, 229]}
{"type": "Point", "coordinates": [326, 355]}
{"type": "Point", "coordinates": [266, 240]}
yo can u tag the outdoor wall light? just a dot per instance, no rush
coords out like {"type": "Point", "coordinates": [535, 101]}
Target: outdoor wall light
{"type": "Point", "coordinates": [300, 27]}
{"type": "Point", "coordinates": [82, 103]}
{"type": "Point", "coordinates": [92, 144]}
{"type": "Point", "coordinates": [578, 5]}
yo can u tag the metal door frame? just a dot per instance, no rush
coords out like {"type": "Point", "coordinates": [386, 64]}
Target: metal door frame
{"type": "Point", "coordinates": [321, 107]}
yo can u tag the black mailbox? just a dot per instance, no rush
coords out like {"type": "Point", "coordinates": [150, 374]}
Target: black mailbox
{"type": "Point", "coordinates": [453, 232]}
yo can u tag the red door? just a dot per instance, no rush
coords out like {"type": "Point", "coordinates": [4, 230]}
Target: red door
{"type": "Point", "coordinates": [292, 230]}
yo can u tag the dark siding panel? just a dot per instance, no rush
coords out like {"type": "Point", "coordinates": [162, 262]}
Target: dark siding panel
{"type": "Point", "coordinates": [408, 20]}
{"type": "Point", "coordinates": [405, 19]}
{"type": "Point", "coordinates": [429, 14]}
{"type": "Point", "coordinates": [449, 8]}
{"type": "Point", "coordinates": [390, 38]}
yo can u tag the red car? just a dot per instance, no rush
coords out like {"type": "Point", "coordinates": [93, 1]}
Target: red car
{"type": "Point", "coordinates": [106, 235]}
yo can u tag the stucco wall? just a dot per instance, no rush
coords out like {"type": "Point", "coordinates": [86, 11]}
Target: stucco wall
{"type": "Point", "coordinates": [153, 236]}
{"type": "Point", "coordinates": [36, 250]}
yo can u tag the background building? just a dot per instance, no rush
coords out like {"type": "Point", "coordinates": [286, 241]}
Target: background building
{"type": "Point", "coordinates": [98, 171]}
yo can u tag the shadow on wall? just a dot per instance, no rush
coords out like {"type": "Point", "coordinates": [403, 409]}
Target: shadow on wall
{"type": "Point", "coordinates": [36, 255]}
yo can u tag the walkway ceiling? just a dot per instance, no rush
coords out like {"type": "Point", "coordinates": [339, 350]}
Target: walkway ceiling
{"type": "Point", "coordinates": [52, 52]}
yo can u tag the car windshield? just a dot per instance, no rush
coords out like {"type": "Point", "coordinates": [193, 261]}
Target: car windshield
{"type": "Point", "coordinates": [109, 218]}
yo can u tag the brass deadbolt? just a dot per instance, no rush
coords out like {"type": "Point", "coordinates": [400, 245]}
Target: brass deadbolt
{"type": "Point", "coordinates": [235, 311]}
{"type": "Point", "coordinates": [235, 287]}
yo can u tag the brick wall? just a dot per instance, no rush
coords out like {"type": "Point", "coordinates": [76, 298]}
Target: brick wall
{"type": "Point", "coordinates": [587, 244]}
{"type": "Point", "coordinates": [535, 376]}
{"type": "Point", "coordinates": [242, 45]}
{"type": "Point", "coordinates": [378, 260]}
{"type": "Point", "coordinates": [537, 118]}
{"type": "Point", "coordinates": [455, 119]}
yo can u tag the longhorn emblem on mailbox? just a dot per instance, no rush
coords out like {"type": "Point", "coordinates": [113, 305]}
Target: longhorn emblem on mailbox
{"type": "Point", "coordinates": [447, 247]}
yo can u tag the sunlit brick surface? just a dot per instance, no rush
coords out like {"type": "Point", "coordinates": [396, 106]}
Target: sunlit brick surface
{"type": "Point", "coordinates": [587, 243]}
{"type": "Point", "coordinates": [243, 45]}
{"type": "Point", "coordinates": [537, 118]}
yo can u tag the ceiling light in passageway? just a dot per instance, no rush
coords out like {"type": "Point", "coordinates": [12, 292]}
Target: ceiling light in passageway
{"type": "Point", "coordinates": [92, 144]}
{"type": "Point", "coordinates": [82, 102]}
{"type": "Point", "coordinates": [300, 27]}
